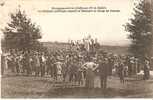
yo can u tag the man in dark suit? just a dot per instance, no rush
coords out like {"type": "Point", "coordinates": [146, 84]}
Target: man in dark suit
{"type": "Point", "coordinates": [103, 72]}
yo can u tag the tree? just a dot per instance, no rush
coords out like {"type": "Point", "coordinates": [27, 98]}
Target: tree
{"type": "Point", "coordinates": [21, 33]}
{"type": "Point", "coordinates": [141, 34]}
{"type": "Point", "coordinates": [140, 28]}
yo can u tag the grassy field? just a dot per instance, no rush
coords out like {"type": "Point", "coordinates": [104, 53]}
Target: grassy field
{"type": "Point", "coordinates": [37, 87]}
{"type": "Point", "coordinates": [24, 87]}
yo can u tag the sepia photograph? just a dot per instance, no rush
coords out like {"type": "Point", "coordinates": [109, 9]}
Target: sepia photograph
{"type": "Point", "coordinates": [76, 49]}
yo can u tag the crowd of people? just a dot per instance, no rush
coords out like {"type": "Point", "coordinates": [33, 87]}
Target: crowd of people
{"type": "Point", "coordinates": [72, 66]}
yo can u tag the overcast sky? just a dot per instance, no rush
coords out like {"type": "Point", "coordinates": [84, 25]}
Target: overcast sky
{"type": "Point", "coordinates": [107, 27]}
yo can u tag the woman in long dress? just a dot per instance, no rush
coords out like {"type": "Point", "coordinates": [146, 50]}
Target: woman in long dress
{"type": "Point", "coordinates": [89, 78]}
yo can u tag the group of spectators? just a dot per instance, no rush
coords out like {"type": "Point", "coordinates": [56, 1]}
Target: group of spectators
{"type": "Point", "coordinates": [73, 66]}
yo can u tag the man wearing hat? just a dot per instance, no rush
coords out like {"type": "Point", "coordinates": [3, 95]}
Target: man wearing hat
{"type": "Point", "coordinates": [103, 71]}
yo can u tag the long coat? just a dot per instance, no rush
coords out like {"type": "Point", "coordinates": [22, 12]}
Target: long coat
{"type": "Point", "coordinates": [89, 78]}
{"type": "Point", "coordinates": [103, 69]}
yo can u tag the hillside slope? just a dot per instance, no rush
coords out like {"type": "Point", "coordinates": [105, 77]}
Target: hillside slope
{"type": "Point", "coordinates": [113, 49]}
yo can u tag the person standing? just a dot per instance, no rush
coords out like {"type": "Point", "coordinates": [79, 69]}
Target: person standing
{"type": "Point", "coordinates": [80, 75]}
{"type": "Point", "coordinates": [90, 67]}
{"type": "Point", "coordinates": [130, 63]}
{"type": "Point", "coordinates": [3, 64]}
{"type": "Point", "coordinates": [59, 70]}
{"type": "Point", "coordinates": [89, 78]}
{"type": "Point", "coordinates": [146, 69]}
{"type": "Point", "coordinates": [54, 70]}
{"type": "Point", "coordinates": [27, 62]}
{"type": "Point", "coordinates": [103, 71]}
{"type": "Point", "coordinates": [73, 71]}
{"type": "Point", "coordinates": [64, 71]}
{"type": "Point", "coordinates": [48, 64]}
{"type": "Point", "coordinates": [41, 58]}
{"type": "Point", "coordinates": [17, 64]}
{"type": "Point", "coordinates": [23, 63]}
{"type": "Point", "coordinates": [111, 62]}
{"type": "Point", "coordinates": [52, 66]}
{"type": "Point", "coordinates": [37, 61]}
{"type": "Point", "coordinates": [33, 64]}
{"type": "Point", "coordinates": [43, 67]}
{"type": "Point", "coordinates": [121, 72]}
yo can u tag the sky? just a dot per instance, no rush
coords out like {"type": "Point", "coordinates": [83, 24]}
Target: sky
{"type": "Point", "coordinates": [106, 27]}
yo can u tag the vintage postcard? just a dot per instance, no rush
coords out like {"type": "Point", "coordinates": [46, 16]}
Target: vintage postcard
{"type": "Point", "coordinates": [76, 48]}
